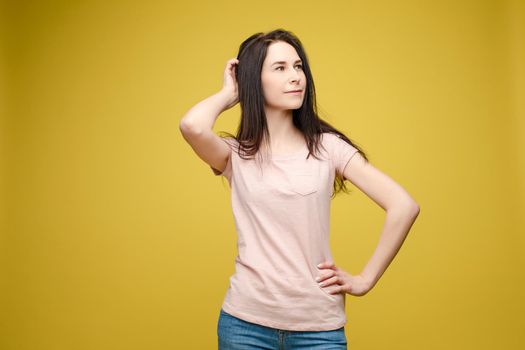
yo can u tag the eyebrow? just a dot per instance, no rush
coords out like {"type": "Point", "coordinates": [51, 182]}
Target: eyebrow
{"type": "Point", "coordinates": [284, 62]}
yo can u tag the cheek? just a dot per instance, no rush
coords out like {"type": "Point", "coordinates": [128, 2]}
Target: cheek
{"type": "Point", "coordinates": [270, 89]}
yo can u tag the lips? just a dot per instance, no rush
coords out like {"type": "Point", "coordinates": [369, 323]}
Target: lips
{"type": "Point", "coordinates": [293, 91]}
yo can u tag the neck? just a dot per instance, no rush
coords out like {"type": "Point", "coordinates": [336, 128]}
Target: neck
{"type": "Point", "coordinates": [280, 126]}
{"type": "Point", "coordinates": [284, 136]}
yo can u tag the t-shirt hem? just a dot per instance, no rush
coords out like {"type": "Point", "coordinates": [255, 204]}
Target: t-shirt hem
{"type": "Point", "coordinates": [279, 325]}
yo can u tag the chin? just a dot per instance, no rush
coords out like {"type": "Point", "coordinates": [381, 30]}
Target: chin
{"type": "Point", "coordinates": [295, 105]}
{"type": "Point", "coordinates": [289, 106]}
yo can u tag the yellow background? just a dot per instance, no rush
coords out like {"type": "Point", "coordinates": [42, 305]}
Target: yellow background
{"type": "Point", "coordinates": [115, 235]}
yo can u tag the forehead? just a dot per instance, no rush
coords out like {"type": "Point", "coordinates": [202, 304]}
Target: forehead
{"type": "Point", "coordinates": [280, 51]}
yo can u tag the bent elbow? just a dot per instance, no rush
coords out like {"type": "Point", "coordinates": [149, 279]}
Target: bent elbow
{"type": "Point", "coordinates": [416, 209]}
{"type": "Point", "coordinates": [413, 209]}
{"type": "Point", "coordinates": [188, 128]}
{"type": "Point", "coordinates": [410, 207]}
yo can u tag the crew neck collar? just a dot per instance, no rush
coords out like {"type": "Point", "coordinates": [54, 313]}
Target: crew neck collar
{"type": "Point", "coordinates": [296, 154]}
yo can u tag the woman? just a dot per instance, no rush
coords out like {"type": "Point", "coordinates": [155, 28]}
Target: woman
{"type": "Point", "coordinates": [284, 166]}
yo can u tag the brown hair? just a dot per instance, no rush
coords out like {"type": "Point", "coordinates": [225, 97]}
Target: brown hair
{"type": "Point", "coordinates": [253, 127]}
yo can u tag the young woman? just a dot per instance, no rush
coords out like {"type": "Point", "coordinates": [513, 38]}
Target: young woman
{"type": "Point", "coordinates": [284, 166]}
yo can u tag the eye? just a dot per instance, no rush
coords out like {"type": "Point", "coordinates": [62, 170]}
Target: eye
{"type": "Point", "coordinates": [297, 65]}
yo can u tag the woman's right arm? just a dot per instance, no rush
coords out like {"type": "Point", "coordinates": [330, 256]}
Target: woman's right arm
{"type": "Point", "coordinates": [196, 125]}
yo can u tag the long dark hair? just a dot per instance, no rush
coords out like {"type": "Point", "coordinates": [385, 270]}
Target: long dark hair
{"type": "Point", "coordinates": [253, 128]}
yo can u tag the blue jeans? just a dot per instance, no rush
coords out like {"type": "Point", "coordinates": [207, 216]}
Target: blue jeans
{"type": "Point", "coordinates": [237, 334]}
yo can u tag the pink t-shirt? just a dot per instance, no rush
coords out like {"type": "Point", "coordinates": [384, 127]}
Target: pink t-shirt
{"type": "Point", "coordinates": [282, 219]}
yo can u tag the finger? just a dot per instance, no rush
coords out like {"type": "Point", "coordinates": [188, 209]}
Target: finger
{"type": "Point", "coordinates": [336, 290]}
{"type": "Point", "coordinates": [323, 264]}
{"type": "Point", "coordinates": [328, 264]}
{"type": "Point", "coordinates": [230, 65]}
{"type": "Point", "coordinates": [325, 276]}
{"type": "Point", "coordinates": [329, 281]}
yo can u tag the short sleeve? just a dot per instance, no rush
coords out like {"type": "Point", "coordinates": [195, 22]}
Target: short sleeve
{"type": "Point", "coordinates": [230, 141]}
{"type": "Point", "coordinates": [342, 152]}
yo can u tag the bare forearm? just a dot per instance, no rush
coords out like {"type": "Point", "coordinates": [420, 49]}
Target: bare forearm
{"type": "Point", "coordinates": [397, 224]}
{"type": "Point", "coordinates": [203, 115]}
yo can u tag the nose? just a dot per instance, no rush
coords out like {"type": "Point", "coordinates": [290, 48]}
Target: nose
{"type": "Point", "coordinates": [295, 76]}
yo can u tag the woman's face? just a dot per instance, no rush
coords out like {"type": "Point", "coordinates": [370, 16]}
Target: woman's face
{"type": "Point", "coordinates": [282, 71]}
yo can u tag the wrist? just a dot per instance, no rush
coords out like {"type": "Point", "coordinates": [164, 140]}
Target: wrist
{"type": "Point", "coordinates": [370, 280]}
{"type": "Point", "coordinates": [226, 97]}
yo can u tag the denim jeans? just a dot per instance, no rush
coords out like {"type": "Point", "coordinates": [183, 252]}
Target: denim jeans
{"type": "Point", "coordinates": [236, 334]}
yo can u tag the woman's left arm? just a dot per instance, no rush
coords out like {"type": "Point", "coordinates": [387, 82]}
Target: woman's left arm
{"type": "Point", "coordinates": [401, 212]}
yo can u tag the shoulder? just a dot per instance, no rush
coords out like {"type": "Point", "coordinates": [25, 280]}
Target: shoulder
{"type": "Point", "coordinates": [334, 140]}
{"type": "Point", "coordinates": [330, 137]}
{"type": "Point", "coordinates": [330, 140]}
{"type": "Point", "coordinates": [339, 148]}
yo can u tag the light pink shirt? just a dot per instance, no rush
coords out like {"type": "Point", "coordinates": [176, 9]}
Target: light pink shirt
{"type": "Point", "coordinates": [282, 219]}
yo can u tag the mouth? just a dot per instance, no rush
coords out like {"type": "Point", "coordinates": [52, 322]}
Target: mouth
{"type": "Point", "coordinates": [293, 91]}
